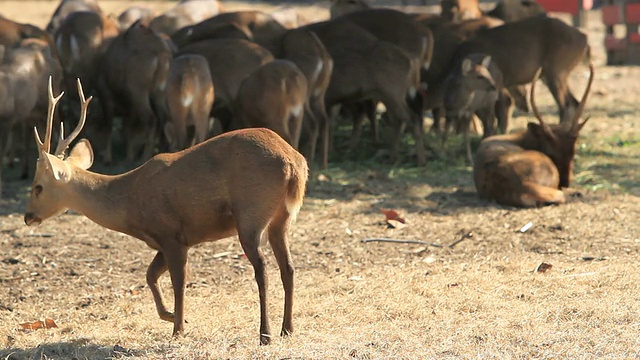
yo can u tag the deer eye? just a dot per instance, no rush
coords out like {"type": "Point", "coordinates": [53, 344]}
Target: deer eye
{"type": "Point", "coordinates": [37, 190]}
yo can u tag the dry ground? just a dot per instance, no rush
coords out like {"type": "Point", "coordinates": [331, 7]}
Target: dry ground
{"type": "Point", "coordinates": [478, 299]}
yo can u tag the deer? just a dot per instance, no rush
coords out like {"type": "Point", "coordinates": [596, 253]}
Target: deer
{"type": "Point", "coordinates": [369, 69]}
{"type": "Point", "coordinates": [532, 167]}
{"type": "Point", "coordinates": [474, 87]}
{"type": "Point", "coordinates": [134, 13]}
{"type": "Point", "coordinates": [521, 47]}
{"type": "Point", "coordinates": [132, 83]}
{"type": "Point", "coordinates": [190, 95]}
{"type": "Point", "coordinates": [67, 7]}
{"type": "Point", "coordinates": [12, 33]}
{"type": "Point", "coordinates": [80, 41]}
{"type": "Point", "coordinates": [458, 10]}
{"type": "Point", "coordinates": [185, 13]}
{"type": "Point", "coordinates": [273, 96]}
{"type": "Point", "coordinates": [248, 182]}
{"type": "Point", "coordinates": [23, 73]}
{"type": "Point", "coordinates": [230, 61]}
{"type": "Point", "coordinates": [515, 10]}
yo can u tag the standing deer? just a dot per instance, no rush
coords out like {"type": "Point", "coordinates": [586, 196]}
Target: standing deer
{"type": "Point", "coordinates": [190, 95]}
{"type": "Point", "coordinates": [273, 96]}
{"type": "Point", "coordinates": [531, 167]}
{"type": "Point", "coordinates": [67, 7]}
{"type": "Point", "coordinates": [248, 182]}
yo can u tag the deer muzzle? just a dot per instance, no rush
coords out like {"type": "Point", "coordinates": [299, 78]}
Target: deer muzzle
{"type": "Point", "coordinates": [31, 219]}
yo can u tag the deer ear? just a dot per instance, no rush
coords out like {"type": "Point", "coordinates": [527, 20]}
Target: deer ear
{"type": "Point", "coordinates": [466, 66]}
{"type": "Point", "coordinates": [486, 61]}
{"type": "Point", "coordinates": [81, 155]}
{"type": "Point", "coordinates": [57, 166]}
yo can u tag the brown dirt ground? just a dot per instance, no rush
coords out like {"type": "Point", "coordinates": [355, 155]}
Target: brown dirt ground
{"type": "Point", "coordinates": [478, 299]}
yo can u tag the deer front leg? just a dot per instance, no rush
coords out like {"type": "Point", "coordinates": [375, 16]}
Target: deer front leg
{"type": "Point", "coordinates": [158, 267]}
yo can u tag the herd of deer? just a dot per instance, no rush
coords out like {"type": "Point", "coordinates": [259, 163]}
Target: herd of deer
{"type": "Point", "coordinates": [167, 75]}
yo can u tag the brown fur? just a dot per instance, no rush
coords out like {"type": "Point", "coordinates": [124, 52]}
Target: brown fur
{"type": "Point", "coordinates": [529, 168]}
{"type": "Point", "coordinates": [190, 95]}
{"type": "Point", "coordinates": [273, 96]}
{"type": "Point", "coordinates": [248, 182]}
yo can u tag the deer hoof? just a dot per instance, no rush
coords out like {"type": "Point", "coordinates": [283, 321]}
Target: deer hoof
{"type": "Point", "coordinates": [265, 339]}
{"type": "Point", "coordinates": [285, 332]}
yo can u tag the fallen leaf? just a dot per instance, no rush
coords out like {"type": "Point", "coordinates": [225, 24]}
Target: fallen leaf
{"type": "Point", "coordinates": [391, 214]}
{"type": "Point", "coordinates": [46, 324]}
{"type": "Point", "coordinates": [543, 267]}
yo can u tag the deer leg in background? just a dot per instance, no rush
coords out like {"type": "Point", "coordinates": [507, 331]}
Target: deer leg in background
{"type": "Point", "coordinates": [105, 128]}
{"type": "Point", "coordinates": [26, 156]}
{"type": "Point", "coordinates": [504, 110]}
{"type": "Point", "coordinates": [400, 111]}
{"type": "Point", "coordinates": [438, 115]}
{"type": "Point", "coordinates": [278, 230]}
{"type": "Point", "coordinates": [519, 97]}
{"type": "Point", "coordinates": [158, 267]}
{"type": "Point", "coordinates": [319, 110]}
{"type": "Point", "coordinates": [567, 103]}
{"type": "Point", "coordinates": [311, 130]}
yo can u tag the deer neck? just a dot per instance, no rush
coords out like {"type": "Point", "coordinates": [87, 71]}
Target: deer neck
{"type": "Point", "coordinates": [101, 198]}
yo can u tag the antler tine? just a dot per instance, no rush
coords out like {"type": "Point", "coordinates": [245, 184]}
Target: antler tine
{"type": "Point", "coordinates": [84, 105]}
{"type": "Point", "coordinates": [46, 144]}
{"type": "Point", "coordinates": [576, 125]}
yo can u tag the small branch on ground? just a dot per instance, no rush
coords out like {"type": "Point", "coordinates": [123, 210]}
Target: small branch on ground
{"type": "Point", "coordinates": [399, 241]}
{"type": "Point", "coordinates": [468, 235]}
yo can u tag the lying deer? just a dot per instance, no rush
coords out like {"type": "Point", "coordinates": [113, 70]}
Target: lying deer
{"type": "Point", "coordinates": [531, 167]}
{"type": "Point", "coordinates": [246, 182]}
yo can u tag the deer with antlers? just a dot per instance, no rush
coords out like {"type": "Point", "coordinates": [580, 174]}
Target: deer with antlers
{"type": "Point", "coordinates": [530, 168]}
{"type": "Point", "coordinates": [246, 182]}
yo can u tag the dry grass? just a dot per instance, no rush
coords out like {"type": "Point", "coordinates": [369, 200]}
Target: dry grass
{"type": "Point", "coordinates": [479, 299]}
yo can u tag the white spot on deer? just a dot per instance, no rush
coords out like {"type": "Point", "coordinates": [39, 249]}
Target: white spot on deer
{"type": "Point", "coordinates": [296, 110]}
{"type": "Point", "coordinates": [293, 208]}
{"type": "Point", "coordinates": [412, 92]}
{"type": "Point", "coordinates": [186, 98]}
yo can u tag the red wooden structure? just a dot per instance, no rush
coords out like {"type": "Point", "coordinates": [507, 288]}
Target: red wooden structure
{"type": "Point", "coordinates": [622, 39]}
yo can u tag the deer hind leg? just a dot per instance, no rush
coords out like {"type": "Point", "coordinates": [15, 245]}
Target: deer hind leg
{"type": "Point", "coordinates": [401, 116]}
{"type": "Point", "coordinates": [277, 231]}
{"type": "Point", "coordinates": [176, 260]}
{"type": "Point", "coordinates": [536, 195]}
{"type": "Point", "coordinates": [158, 267]}
{"type": "Point", "coordinates": [250, 230]}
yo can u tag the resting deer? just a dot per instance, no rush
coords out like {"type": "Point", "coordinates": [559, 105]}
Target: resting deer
{"type": "Point", "coordinates": [246, 182]}
{"type": "Point", "coordinates": [530, 168]}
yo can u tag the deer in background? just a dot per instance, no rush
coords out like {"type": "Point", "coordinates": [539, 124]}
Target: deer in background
{"type": "Point", "coordinates": [531, 167]}
{"type": "Point", "coordinates": [248, 182]}
{"type": "Point", "coordinates": [185, 13]}
{"type": "Point", "coordinates": [190, 95]}
{"type": "Point", "coordinates": [23, 74]}
{"type": "Point", "coordinates": [132, 83]}
{"type": "Point", "coordinates": [273, 96]}
{"type": "Point", "coordinates": [458, 10]}
{"type": "Point", "coordinates": [67, 7]}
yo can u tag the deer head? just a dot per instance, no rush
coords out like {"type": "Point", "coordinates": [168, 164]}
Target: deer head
{"type": "Point", "coordinates": [54, 170]}
{"type": "Point", "coordinates": [559, 141]}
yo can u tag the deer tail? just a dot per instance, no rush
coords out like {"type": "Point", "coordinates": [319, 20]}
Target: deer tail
{"type": "Point", "coordinates": [299, 173]}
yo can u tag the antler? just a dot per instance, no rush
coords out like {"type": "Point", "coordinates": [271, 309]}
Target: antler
{"type": "Point", "coordinates": [576, 125]}
{"type": "Point", "coordinates": [46, 144]}
{"type": "Point", "coordinates": [534, 107]}
{"type": "Point", "coordinates": [63, 144]}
